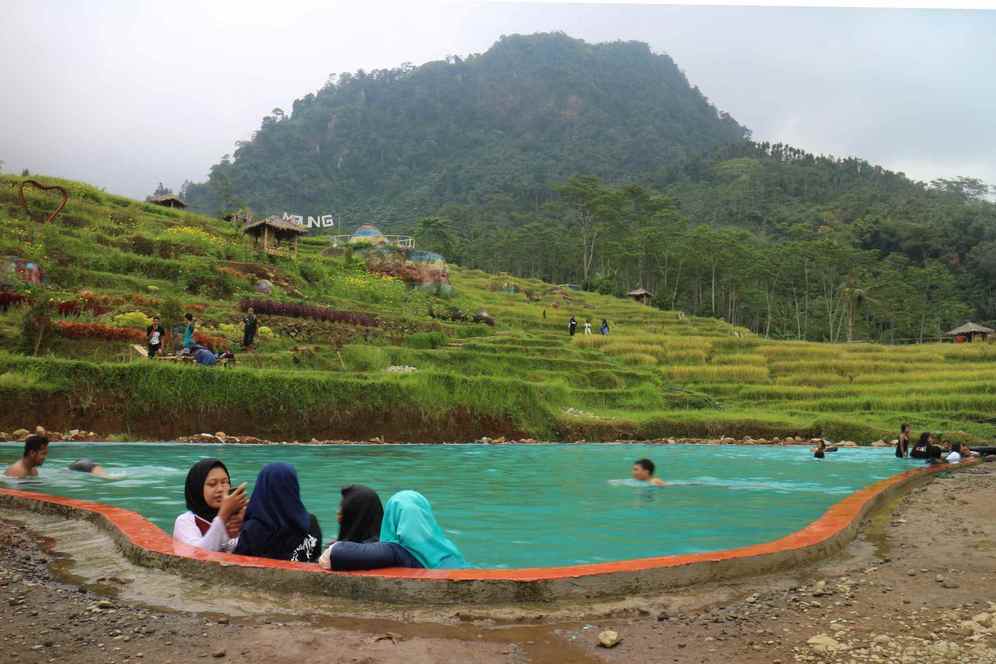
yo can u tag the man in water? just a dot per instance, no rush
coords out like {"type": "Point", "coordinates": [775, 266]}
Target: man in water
{"type": "Point", "coordinates": [643, 471]}
{"type": "Point", "coordinates": [35, 451]}
{"type": "Point", "coordinates": [88, 466]}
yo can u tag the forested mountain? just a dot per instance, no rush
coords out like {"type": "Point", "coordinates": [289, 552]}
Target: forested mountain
{"type": "Point", "coordinates": [389, 145]}
{"type": "Point", "coordinates": [601, 165]}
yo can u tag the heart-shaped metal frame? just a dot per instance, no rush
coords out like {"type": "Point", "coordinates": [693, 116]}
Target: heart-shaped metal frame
{"type": "Point", "coordinates": [43, 187]}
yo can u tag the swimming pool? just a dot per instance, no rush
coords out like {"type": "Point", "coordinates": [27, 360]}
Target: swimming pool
{"type": "Point", "coordinates": [514, 505]}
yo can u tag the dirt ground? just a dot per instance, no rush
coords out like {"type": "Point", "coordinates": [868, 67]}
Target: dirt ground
{"type": "Point", "coordinates": [917, 587]}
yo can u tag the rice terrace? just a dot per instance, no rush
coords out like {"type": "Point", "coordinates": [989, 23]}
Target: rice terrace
{"type": "Point", "coordinates": [565, 365]}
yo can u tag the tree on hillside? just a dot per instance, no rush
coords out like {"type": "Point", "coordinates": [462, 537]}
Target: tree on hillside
{"type": "Point", "coordinates": [436, 234]}
{"type": "Point", "coordinates": [593, 206]}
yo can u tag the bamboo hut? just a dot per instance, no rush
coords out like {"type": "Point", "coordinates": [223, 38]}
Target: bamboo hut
{"type": "Point", "coordinates": [168, 200]}
{"type": "Point", "coordinates": [970, 332]}
{"type": "Point", "coordinates": [641, 295]}
{"type": "Point", "coordinates": [273, 232]}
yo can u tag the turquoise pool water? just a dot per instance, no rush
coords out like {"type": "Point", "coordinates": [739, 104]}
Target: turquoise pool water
{"type": "Point", "coordinates": [514, 506]}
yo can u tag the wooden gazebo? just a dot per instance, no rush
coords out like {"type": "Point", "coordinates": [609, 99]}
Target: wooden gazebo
{"type": "Point", "coordinates": [641, 295]}
{"type": "Point", "coordinates": [272, 232]}
{"type": "Point", "coordinates": [168, 200]}
{"type": "Point", "coordinates": [970, 332]}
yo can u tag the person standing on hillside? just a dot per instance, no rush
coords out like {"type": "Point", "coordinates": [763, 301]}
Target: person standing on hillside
{"type": "Point", "coordinates": [604, 330]}
{"type": "Point", "coordinates": [572, 326]}
{"type": "Point", "coordinates": [188, 332]}
{"type": "Point", "coordinates": [251, 324]}
{"type": "Point", "coordinates": [587, 328]}
{"type": "Point", "coordinates": [154, 336]}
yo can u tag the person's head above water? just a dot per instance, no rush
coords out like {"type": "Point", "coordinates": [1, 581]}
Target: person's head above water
{"type": "Point", "coordinates": [35, 449]}
{"type": "Point", "coordinates": [360, 514]}
{"type": "Point", "coordinates": [409, 521]}
{"type": "Point", "coordinates": [208, 482]}
{"type": "Point", "coordinates": [643, 470]}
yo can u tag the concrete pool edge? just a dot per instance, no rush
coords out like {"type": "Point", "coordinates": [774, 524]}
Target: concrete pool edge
{"type": "Point", "coordinates": [145, 544]}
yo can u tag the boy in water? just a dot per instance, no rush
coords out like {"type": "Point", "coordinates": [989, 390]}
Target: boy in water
{"type": "Point", "coordinates": [643, 471]}
{"type": "Point", "coordinates": [35, 451]}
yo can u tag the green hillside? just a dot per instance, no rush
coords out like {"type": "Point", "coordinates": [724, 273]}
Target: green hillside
{"type": "Point", "coordinates": [601, 165]}
{"type": "Point", "coordinates": [390, 145]}
{"type": "Point", "coordinates": [66, 358]}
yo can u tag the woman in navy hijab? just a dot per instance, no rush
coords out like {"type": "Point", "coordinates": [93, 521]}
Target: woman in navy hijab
{"type": "Point", "coordinates": [277, 525]}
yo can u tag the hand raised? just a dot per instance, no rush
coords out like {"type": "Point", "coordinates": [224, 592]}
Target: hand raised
{"type": "Point", "coordinates": [233, 502]}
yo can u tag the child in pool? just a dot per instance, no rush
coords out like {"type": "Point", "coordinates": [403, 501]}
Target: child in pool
{"type": "Point", "coordinates": [643, 471]}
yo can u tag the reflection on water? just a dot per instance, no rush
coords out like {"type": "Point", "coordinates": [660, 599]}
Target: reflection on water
{"type": "Point", "coordinates": [512, 506]}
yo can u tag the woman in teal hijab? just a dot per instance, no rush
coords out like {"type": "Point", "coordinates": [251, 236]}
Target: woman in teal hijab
{"type": "Point", "coordinates": [409, 537]}
{"type": "Point", "coordinates": [409, 521]}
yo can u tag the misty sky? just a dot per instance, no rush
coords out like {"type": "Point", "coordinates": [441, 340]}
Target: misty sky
{"type": "Point", "coordinates": [125, 94]}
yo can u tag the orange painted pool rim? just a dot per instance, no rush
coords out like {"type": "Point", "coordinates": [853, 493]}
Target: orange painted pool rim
{"type": "Point", "coordinates": [143, 534]}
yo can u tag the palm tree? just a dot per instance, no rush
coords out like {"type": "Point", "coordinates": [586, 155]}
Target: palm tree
{"type": "Point", "coordinates": [856, 297]}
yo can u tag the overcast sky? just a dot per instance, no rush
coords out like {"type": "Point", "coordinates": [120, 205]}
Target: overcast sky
{"type": "Point", "coordinates": [125, 94]}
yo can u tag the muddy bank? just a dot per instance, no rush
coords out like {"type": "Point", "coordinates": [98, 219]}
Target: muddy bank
{"type": "Point", "coordinates": [114, 417]}
{"type": "Point", "coordinates": [221, 437]}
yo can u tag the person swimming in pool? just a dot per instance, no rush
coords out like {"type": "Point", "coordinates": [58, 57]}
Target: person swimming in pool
{"type": "Point", "coordinates": [88, 466]}
{"type": "Point", "coordinates": [35, 451]}
{"type": "Point", "coordinates": [643, 471]}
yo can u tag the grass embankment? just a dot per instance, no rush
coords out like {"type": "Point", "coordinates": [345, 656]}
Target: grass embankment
{"type": "Point", "coordinates": [111, 262]}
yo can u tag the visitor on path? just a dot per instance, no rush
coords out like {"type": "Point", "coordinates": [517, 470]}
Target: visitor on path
{"type": "Point", "coordinates": [643, 471]}
{"type": "Point", "coordinates": [903, 443]}
{"type": "Point", "coordinates": [409, 537]}
{"type": "Point", "coordinates": [205, 357]}
{"type": "Point", "coordinates": [587, 328]}
{"type": "Point", "coordinates": [35, 451]}
{"type": "Point", "coordinates": [154, 335]}
{"type": "Point", "coordinates": [214, 515]}
{"type": "Point", "coordinates": [88, 466]}
{"type": "Point", "coordinates": [251, 324]}
{"type": "Point", "coordinates": [188, 332]}
{"type": "Point", "coordinates": [572, 326]}
{"type": "Point", "coordinates": [277, 525]}
{"type": "Point", "coordinates": [604, 329]}
{"type": "Point", "coordinates": [920, 449]}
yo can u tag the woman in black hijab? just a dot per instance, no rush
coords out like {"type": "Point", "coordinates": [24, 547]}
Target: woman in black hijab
{"type": "Point", "coordinates": [277, 523]}
{"type": "Point", "coordinates": [213, 511]}
{"type": "Point", "coordinates": [360, 514]}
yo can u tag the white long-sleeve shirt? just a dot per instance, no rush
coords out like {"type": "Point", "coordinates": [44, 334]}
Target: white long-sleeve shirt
{"type": "Point", "coordinates": [215, 539]}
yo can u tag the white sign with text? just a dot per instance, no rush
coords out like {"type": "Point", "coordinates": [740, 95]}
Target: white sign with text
{"type": "Point", "coordinates": [323, 221]}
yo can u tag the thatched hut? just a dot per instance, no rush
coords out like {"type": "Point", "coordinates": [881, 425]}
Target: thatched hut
{"type": "Point", "coordinates": [970, 332]}
{"type": "Point", "coordinates": [272, 232]}
{"type": "Point", "coordinates": [169, 200]}
{"type": "Point", "coordinates": [641, 295]}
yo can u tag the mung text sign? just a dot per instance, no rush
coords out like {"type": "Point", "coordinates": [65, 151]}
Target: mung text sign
{"type": "Point", "coordinates": [322, 221]}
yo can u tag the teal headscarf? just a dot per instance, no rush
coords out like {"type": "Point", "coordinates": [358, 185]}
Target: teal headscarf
{"type": "Point", "coordinates": [408, 521]}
